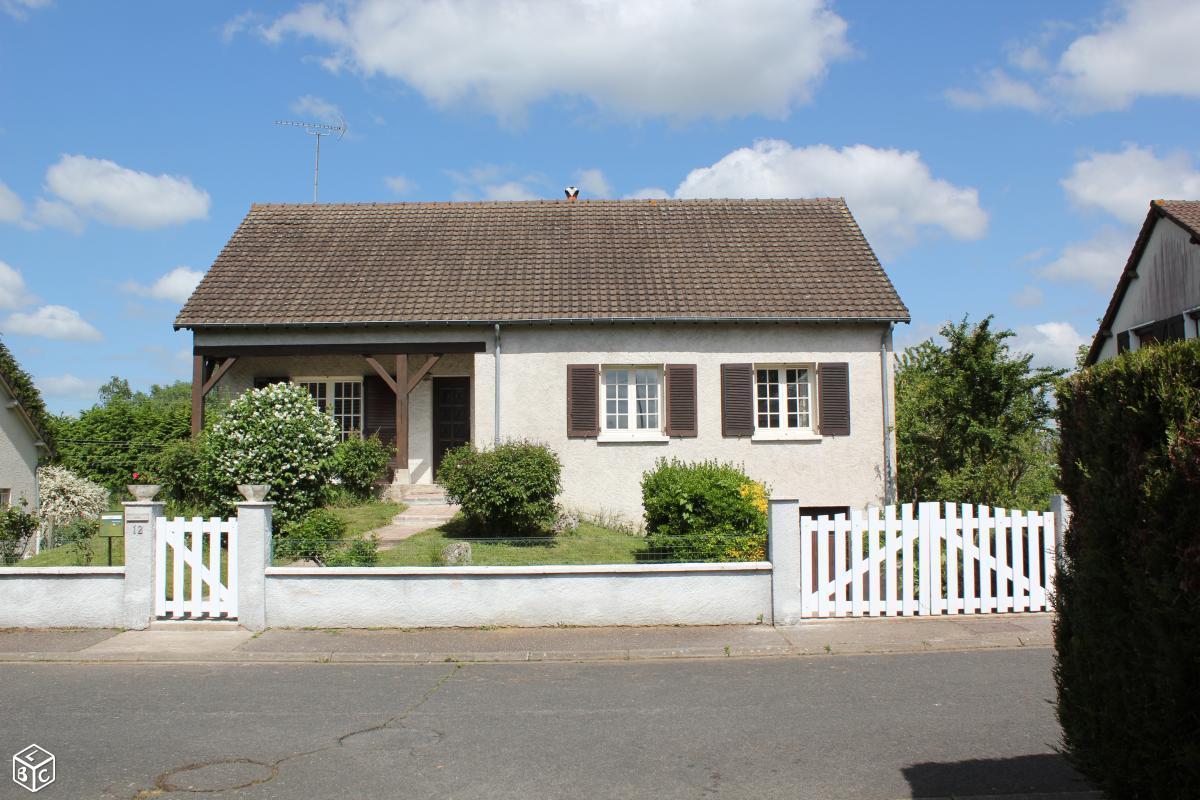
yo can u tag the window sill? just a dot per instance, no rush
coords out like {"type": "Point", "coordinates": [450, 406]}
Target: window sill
{"type": "Point", "coordinates": [779, 436]}
{"type": "Point", "coordinates": [607, 437]}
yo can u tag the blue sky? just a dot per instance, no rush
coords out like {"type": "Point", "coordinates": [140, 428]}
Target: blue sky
{"type": "Point", "coordinates": [999, 156]}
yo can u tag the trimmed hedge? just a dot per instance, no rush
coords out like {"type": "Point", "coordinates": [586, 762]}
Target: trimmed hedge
{"type": "Point", "coordinates": [1127, 633]}
{"type": "Point", "coordinates": [704, 511]}
{"type": "Point", "coordinates": [509, 490]}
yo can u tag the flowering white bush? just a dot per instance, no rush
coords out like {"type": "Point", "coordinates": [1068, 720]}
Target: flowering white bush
{"type": "Point", "coordinates": [65, 497]}
{"type": "Point", "coordinates": [275, 435]}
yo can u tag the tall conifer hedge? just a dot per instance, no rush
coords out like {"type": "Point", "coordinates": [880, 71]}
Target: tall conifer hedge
{"type": "Point", "coordinates": [1128, 627]}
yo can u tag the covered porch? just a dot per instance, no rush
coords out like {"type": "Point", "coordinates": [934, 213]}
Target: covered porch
{"type": "Point", "coordinates": [417, 396]}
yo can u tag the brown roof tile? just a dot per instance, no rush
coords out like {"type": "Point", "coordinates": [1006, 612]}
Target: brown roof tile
{"type": "Point", "coordinates": [543, 260]}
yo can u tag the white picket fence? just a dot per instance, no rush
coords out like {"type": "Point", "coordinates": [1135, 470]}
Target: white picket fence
{"type": "Point", "coordinates": [201, 557]}
{"type": "Point", "coordinates": [969, 560]}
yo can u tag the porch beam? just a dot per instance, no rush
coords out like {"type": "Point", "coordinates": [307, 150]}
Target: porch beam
{"type": "Point", "coordinates": [382, 373]}
{"type": "Point", "coordinates": [218, 373]}
{"type": "Point", "coordinates": [423, 371]}
{"type": "Point", "coordinates": [402, 412]}
{"type": "Point", "coordinates": [197, 395]}
{"type": "Point", "coordinates": [336, 348]}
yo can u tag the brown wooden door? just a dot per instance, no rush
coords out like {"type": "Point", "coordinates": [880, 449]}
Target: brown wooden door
{"type": "Point", "coordinates": [451, 416]}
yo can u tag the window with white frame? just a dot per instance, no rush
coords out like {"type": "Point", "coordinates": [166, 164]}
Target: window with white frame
{"type": "Point", "coordinates": [783, 398]}
{"type": "Point", "coordinates": [632, 400]}
{"type": "Point", "coordinates": [341, 398]}
{"type": "Point", "coordinates": [5, 498]}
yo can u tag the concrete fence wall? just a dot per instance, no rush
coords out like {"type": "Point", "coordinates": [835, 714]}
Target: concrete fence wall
{"type": "Point", "coordinates": [62, 597]}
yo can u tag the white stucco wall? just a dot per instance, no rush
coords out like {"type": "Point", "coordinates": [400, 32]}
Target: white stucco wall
{"type": "Point", "coordinates": [606, 476]}
{"type": "Point", "coordinates": [18, 453]}
{"type": "Point", "coordinates": [661, 594]}
{"type": "Point", "coordinates": [1168, 284]}
{"type": "Point", "coordinates": [62, 597]}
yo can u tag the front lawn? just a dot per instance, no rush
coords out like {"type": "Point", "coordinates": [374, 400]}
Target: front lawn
{"type": "Point", "coordinates": [590, 544]}
{"type": "Point", "coordinates": [368, 516]}
{"type": "Point", "coordinates": [66, 556]}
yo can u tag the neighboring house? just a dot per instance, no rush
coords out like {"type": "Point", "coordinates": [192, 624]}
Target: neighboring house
{"type": "Point", "coordinates": [22, 441]}
{"type": "Point", "coordinates": [616, 332]}
{"type": "Point", "coordinates": [1158, 295]}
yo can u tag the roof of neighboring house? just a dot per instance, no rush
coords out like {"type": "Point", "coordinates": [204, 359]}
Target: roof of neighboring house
{"type": "Point", "coordinates": [1186, 214]}
{"type": "Point", "coordinates": [19, 386]}
{"type": "Point", "coordinates": [544, 261]}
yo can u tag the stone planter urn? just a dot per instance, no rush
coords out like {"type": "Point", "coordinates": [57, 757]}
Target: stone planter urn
{"type": "Point", "coordinates": [254, 492]}
{"type": "Point", "coordinates": [143, 492]}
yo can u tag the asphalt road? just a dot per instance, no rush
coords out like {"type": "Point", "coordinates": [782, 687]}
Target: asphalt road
{"type": "Point", "coordinates": [927, 725]}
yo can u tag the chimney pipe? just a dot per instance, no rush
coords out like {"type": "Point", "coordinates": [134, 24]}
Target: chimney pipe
{"type": "Point", "coordinates": [572, 193]}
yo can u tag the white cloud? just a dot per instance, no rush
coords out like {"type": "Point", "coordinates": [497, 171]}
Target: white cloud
{"type": "Point", "coordinates": [11, 207]}
{"type": "Point", "coordinates": [1149, 49]}
{"type": "Point", "coordinates": [1124, 183]}
{"type": "Point", "coordinates": [592, 183]}
{"type": "Point", "coordinates": [493, 182]}
{"type": "Point", "coordinates": [236, 25]}
{"type": "Point", "coordinates": [508, 190]}
{"type": "Point", "coordinates": [1053, 344]}
{"type": "Point", "coordinates": [106, 191]}
{"type": "Point", "coordinates": [1028, 297]}
{"type": "Point", "coordinates": [19, 9]}
{"type": "Point", "coordinates": [13, 291]}
{"type": "Point", "coordinates": [176, 286]}
{"type": "Point", "coordinates": [998, 90]}
{"type": "Point", "coordinates": [68, 386]}
{"type": "Point", "coordinates": [677, 58]}
{"type": "Point", "coordinates": [317, 108]}
{"type": "Point", "coordinates": [56, 214]}
{"type": "Point", "coordinates": [648, 193]}
{"type": "Point", "coordinates": [1097, 262]}
{"type": "Point", "coordinates": [52, 322]}
{"type": "Point", "coordinates": [1142, 48]}
{"type": "Point", "coordinates": [399, 184]}
{"type": "Point", "coordinates": [892, 193]}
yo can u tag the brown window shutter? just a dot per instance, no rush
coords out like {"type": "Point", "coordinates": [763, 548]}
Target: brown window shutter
{"type": "Point", "coordinates": [1173, 329]}
{"type": "Point", "coordinates": [259, 383]}
{"type": "Point", "coordinates": [583, 400]}
{"type": "Point", "coordinates": [681, 399]}
{"type": "Point", "coordinates": [737, 399]}
{"type": "Point", "coordinates": [379, 410]}
{"type": "Point", "coordinates": [833, 390]}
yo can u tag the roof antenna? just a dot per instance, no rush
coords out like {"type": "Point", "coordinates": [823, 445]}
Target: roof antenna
{"type": "Point", "coordinates": [314, 129]}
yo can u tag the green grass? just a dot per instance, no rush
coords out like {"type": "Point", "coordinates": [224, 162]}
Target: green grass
{"type": "Point", "coordinates": [66, 556]}
{"type": "Point", "coordinates": [368, 516]}
{"type": "Point", "coordinates": [590, 544]}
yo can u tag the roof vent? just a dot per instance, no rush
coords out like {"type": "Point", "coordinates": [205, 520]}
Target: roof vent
{"type": "Point", "coordinates": [572, 193]}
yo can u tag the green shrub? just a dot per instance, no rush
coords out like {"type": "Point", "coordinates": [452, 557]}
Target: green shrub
{"type": "Point", "coordinates": [80, 537]}
{"type": "Point", "coordinates": [704, 511]}
{"type": "Point", "coordinates": [275, 435]}
{"type": "Point", "coordinates": [178, 467]}
{"type": "Point", "coordinates": [17, 527]}
{"type": "Point", "coordinates": [1127, 632]}
{"type": "Point", "coordinates": [506, 491]}
{"type": "Point", "coordinates": [320, 536]}
{"type": "Point", "coordinates": [358, 463]}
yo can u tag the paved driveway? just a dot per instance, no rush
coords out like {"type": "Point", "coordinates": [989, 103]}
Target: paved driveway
{"type": "Point", "coordinates": [920, 725]}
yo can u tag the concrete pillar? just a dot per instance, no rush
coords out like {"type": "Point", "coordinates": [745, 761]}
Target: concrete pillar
{"type": "Point", "coordinates": [1062, 519]}
{"type": "Point", "coordinates": [141, 520]}
{"type": "Point", "coordinates": [783, 542]}
{"type": "Point", "coordinates": [253, 558]}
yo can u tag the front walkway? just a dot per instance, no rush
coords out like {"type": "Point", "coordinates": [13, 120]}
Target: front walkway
{"type": "Point", "coordinates": [427, 508]}
{"type": "Point", "coordinates": [224, 642]}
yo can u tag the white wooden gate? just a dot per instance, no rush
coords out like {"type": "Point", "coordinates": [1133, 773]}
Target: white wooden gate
{"type": "Point", "coordinates": [195, 568]}
{"type": "Point", "coordinates": [971, 560]}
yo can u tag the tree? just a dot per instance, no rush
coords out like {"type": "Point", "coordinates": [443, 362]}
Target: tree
{"type": "Point", "coordinates": [973, 421]}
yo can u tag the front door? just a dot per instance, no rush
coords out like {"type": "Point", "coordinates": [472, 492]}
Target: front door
{"type": "Point", "coordinates": [451, 416]}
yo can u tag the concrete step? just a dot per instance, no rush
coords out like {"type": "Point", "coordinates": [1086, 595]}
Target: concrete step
{"type": "Point", "coordinates": [194, 625]}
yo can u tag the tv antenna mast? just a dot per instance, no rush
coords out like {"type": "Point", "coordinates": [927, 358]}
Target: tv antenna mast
{"type": "Point", "coordinates": [317, 130]}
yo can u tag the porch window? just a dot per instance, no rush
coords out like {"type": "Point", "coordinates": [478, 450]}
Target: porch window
{"type": "Point", "coordinates": [341, 398]}
{"type": "Point", "coordinates": [5, 498]}
{"type": "Point", "coordinates": [631, 400]}
{"type": "Point", "coordinates": [783, 399]}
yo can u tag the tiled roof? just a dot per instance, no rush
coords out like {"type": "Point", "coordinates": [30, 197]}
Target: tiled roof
{"type": "Point", "coordinates": [1185, 213]}
{"type": "Point", "coordinates": [544, 260]}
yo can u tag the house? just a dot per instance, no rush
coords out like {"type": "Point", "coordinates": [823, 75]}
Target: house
{"type": "Point", "coordinates": [1158, 294]}
{"type": "Point", "coordinates": [23, 442]}
{"type": "Point", "coordinates": [617, 332]}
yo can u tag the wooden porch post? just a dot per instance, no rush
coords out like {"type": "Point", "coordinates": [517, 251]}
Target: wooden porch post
{"type": "Point", "coordinates": [402, 412]}
{"type": "Point", "coordinates": [197, 395]}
